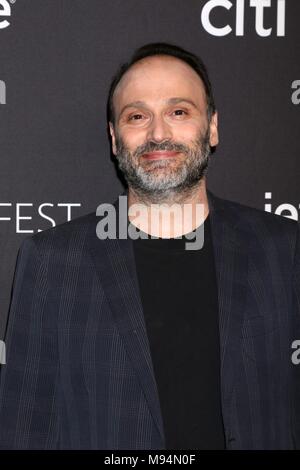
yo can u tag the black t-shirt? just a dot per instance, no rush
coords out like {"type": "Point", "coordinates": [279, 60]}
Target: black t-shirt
{"type": "Point", "coordinates": [179, 297]}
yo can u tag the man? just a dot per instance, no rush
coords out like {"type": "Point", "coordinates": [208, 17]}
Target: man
{"type": "Point", "coordinates": [138, 342]}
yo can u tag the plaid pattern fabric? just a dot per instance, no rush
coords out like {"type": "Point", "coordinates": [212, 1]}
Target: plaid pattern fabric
{"type": "Point", "coordinates": [79, 373]}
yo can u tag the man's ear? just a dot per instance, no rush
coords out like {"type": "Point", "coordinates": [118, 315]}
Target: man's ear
{"type": "Point", "coordinates": [213, 126]}
{"type": "Point", "coordinates": [113, 137]}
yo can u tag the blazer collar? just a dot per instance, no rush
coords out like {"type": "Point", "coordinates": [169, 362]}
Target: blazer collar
{"type": "Point", "coordinates": [115, 265]}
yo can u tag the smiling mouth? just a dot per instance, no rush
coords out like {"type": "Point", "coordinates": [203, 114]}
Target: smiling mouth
{"type": "Point", "coordinates": [159, 155]}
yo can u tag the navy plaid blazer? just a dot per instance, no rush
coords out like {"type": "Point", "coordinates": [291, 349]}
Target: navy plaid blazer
{"type": "Point", "coordinates": [79, 373]}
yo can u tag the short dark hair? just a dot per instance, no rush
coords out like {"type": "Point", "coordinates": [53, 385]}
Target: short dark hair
{"type": "Point", "coordinates": [161, 48]}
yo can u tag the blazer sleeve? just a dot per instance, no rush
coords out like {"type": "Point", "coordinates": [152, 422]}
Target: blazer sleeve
{"type": "Point", "coordinates": [28, 380]}
{"type": "Point", "coordinates": [296, 337]}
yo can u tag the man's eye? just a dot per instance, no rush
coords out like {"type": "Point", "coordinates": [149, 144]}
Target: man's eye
{"type": "Point", "coordinates": [135, 117]}
{"type": "Point", "coordinates": [181, 111]}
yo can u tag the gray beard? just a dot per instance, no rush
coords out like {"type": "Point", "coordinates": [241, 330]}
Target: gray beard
{"type": "Point", "coordinates": [151, 182]}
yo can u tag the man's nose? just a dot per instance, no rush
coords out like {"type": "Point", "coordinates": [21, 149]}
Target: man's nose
{"type": "Point", "coordinates": [159, 130]}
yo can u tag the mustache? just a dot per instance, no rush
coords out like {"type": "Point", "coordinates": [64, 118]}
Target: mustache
{"type": "Point", "coordinates": [154, 147]}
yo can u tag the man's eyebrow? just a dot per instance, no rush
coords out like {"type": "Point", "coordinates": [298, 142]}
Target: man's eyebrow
{"type": "Point", "coordinates": [180, 100]}
{"type": "Point", "coordinates": [142, 104]}
{"type": "Point", "coordinates": [133, 104]}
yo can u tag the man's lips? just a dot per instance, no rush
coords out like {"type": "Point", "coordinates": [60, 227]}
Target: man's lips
{"type": "Point", "coordinates": [159, 155]}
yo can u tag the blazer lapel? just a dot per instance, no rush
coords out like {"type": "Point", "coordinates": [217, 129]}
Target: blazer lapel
{"type": "Point", "coordinates": [114, 262]}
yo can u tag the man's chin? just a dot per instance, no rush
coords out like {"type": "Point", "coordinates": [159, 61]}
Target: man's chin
{"type": "Point", "coordinates": [158, 186]}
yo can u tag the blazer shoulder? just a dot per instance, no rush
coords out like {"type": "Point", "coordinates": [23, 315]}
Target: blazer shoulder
{"type": "Point", "coordinates": [63, 235]}
{"type": "Point", "coordinates": [252, 216]}
{"type": "Point", "coordinates": [257, 224]}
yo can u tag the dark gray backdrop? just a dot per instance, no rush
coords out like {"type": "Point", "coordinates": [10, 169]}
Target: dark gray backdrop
{"type": "Point", "coordinates": [56, 61]}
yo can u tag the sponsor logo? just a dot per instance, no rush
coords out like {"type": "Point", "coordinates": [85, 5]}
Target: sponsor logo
{"type": "Point", "coordinates": [5, 11]}
{"type": "Point", "coordinates": [237, 27]}
{"type": "Point", "coordinates": [285, 209]}
{"type": "Point", "coordinates": [23, 214]}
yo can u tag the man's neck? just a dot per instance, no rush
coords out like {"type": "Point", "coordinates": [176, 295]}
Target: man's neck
{"type": "Point", "coordinates": [173, 216]}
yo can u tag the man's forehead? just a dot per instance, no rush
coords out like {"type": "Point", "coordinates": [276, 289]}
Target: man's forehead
{"type": "Point", "coordinates": [160, 74]}
{"type": "Point", "coordinates": [154, 66]}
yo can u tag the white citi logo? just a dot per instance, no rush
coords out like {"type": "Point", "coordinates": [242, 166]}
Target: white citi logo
{"type": "Point", "coordinates": [259, 6]}
{"type": "Point", "coordinates": [5, 10]}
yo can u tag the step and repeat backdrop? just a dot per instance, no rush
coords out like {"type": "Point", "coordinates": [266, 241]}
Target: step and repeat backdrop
{"type": "Point", "coordinates": [57, 58]}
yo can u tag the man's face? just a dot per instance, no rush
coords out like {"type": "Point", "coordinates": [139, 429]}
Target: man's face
{"type": "Point", "coordinates": [162, 136]}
